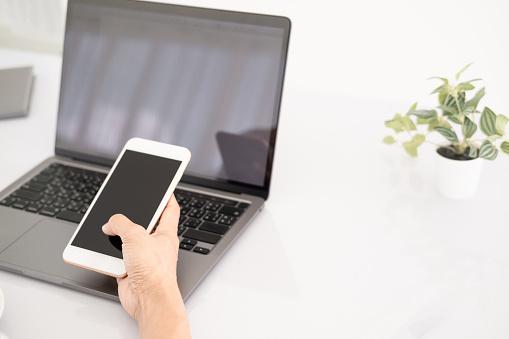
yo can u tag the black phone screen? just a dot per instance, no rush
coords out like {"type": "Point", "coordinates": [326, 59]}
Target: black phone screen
{"type": "Point", "coordinates": [135, 189]}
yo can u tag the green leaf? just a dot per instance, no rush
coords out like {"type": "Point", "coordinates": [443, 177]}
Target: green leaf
{"type": "Point", "coordinates": [454, 119]}
{"type": "Point", "coordinates": [494, 137]}
{"type": "Point", "coordinates": [473, 152]}
{"type": "Point", "coordinates": [500, 123]}
{"type": "Point", "coordinates": [389, 140]}
{"type": "Point", "coordinates": [442, 97]}
{"type": "Point", "coordinates": [468, 128]}
{"type": "Point", "coordinates": [419, 139]}
{"type": "Point", "coordinates": [463, 70]}
{"type": "Point", "coordinates": [431, 122]}
{"type": "Point", "coordinates": [475, 99]}
{"type": "Point", "coordinates": [411, 146]}
{"type": "Point", "coordinates": [421, 121]}
{"type": "Point", "coordinates": [448, 109]}
{"type": "Point", "coordinates": [469, 110]}
{"type": "Point", "coordinates": [441, 89]}
{"type": "Point", "coordinates": [487, 122]}
{"type": "Point", "coordinates": [414, 106]}
{"type": "Point", "coordinates": [423, 114]}
{"type": "Point", "coordinates": [436, 121]}
{"type": "Point", "coordinates": [449, 134]}
{"type": "Point", "coordinates": [408, 124]}
{"type": "Point", "coordinates": [505, 147]}
{"type": "Point", "coordinates": [401, 123]}
{"type": "Point", "coordinates": [451, 102]}
{"type": "Point", "coordinates": [487, 151]}
{"type": "Point", "coordinates": [465, 86]}
{"type": "Point", "coordinates": [396, 124]}
{"type": "Point", "coordinates": [443, 123]}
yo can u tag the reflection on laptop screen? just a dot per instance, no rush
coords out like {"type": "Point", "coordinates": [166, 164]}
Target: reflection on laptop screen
{"type": "Point", "coordinates": [212, 86]}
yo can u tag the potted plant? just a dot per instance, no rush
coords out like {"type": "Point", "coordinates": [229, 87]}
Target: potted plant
{"type": "Point", "coordinates": [459, 159]}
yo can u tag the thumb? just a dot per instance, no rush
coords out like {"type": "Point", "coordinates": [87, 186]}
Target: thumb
{"type": "Point", "coordinates": [120, 225]}
{"type": "Point", "coordinates": [168, 223]}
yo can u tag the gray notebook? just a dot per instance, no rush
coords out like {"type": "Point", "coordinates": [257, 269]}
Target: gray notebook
{"type": "Point", "coordinates": [15, 91]}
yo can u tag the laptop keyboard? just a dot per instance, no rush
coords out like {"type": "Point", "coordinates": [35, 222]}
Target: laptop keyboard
{"type": "Point", "coordinates": [65, 193]}
{"type": "Point", "coordinates": [58, 191]}
{"type": "Point", "coordinates": [204, 219]}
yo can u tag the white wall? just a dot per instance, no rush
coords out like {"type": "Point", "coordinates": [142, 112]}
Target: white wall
{"type": "Point", "coordinates": [388, 49]}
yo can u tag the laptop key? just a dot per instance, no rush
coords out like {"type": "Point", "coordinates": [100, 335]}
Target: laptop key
{"type": "Point", "coordinates": [193, 223]}
{"type": "Point", "coordinates": [189, 242]}
{"type": "Point", "coordinates": [197, 203]}
{"type": "Point", "coordinates": [74, 206]}
{"type": "Point", "coordinates": [47, 199]}
{"type": "Point", "coordinates": [182, 200]}
{"type": "Point", "coordinates": [234, 211]}
{"type": "Point", "coordinates": [28, 195]}
{"type": "Point", "coordinates": [34, 208]}
{"type": "Point", "coordinates": [7, 201]}
{"type": "Point", "coordinates": [201, 250]}
{"type": "Point", "coordinates": [184, 210]}
{"type": "Point", "coordinates": [211, 216]}
{"type": "Point", "coordinates": [49, 211]}
{"type": "Point", "coordinates": [33, 186]}
{"type": "Point", "coordinates": [227, 220]}
{"type": "Point", "coordinates": [212, 206]}
{"type": "Point", "coordinates": [186, 246]}
{"type": "Point", "coordinates": [70, 216]}
{"type": "Point", "coordinates": [202, 236]}
{"type": "Point", "coordinates": [244, 205]}
{"type": "Point", "coordinates": [42, 179]}
{"type": "Point", "coordinates": [60, 202]}
{"type": "Point", "coordinates": [196, 213]}
{"type": "Point", "coordinates": [214, 228]}
{"type": "Point", "coordinates": [20, 204]}
{"type": "Point", "coordinates": [224, 201]}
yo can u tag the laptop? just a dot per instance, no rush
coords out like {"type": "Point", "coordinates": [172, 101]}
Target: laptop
{"type": "Point", "coordinates": [209, 80]}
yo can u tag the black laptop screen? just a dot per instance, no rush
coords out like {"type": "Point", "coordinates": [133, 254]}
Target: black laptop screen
{"type": "Point", "coordinates": [207, 80]}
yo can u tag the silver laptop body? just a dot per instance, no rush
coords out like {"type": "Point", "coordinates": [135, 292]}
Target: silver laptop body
{"type": "Point", "coordinates": [205, 79]}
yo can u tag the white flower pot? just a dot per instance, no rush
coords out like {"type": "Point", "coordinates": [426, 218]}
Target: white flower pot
{"type": "Point", "coordinates": [457, 179]}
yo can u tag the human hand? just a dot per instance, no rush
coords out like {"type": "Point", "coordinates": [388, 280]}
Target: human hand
{"type": "Point", "coordinates": [149, 292]}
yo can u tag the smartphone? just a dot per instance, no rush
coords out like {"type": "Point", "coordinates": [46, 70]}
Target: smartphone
{"type": "Point", "coordinates": [139, 185]}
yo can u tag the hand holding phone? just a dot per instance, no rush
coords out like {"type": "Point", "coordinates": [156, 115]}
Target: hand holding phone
{"type": "Point", "coordinates": [151, 264]}
{"type": "Point", "coordinates": [138, 186]}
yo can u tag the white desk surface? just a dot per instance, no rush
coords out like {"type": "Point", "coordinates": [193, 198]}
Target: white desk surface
{"type": "Point", "coordinates": [354, 241]}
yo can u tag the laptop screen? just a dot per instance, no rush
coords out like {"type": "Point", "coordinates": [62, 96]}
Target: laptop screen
{"type": "Point", "coordinates": [204, 79]}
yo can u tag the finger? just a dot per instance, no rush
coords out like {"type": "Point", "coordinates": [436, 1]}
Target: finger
{"type": "Point", "coordinates": [120, 225]}
{"type": "Point", "coordinates": [168, 223]}
{"type": "Point", "coordinates": [107, 230]}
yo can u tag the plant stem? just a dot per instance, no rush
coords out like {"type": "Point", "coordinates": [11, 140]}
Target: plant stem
{"type": "Point", "coordinates": [463, 145]}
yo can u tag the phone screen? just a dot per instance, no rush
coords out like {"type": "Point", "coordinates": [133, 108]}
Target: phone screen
{"type": "Point", "coordinates": [135, 189]}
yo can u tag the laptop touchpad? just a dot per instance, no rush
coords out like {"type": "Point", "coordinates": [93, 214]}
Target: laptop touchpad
{"type": "Point", "coordinates": [40, 250]}
{"type": "Point", "coordinates": [14, 224]}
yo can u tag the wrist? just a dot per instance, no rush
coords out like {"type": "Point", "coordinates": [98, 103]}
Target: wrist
{"type": "Point", "coordinates": [162, 314]}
